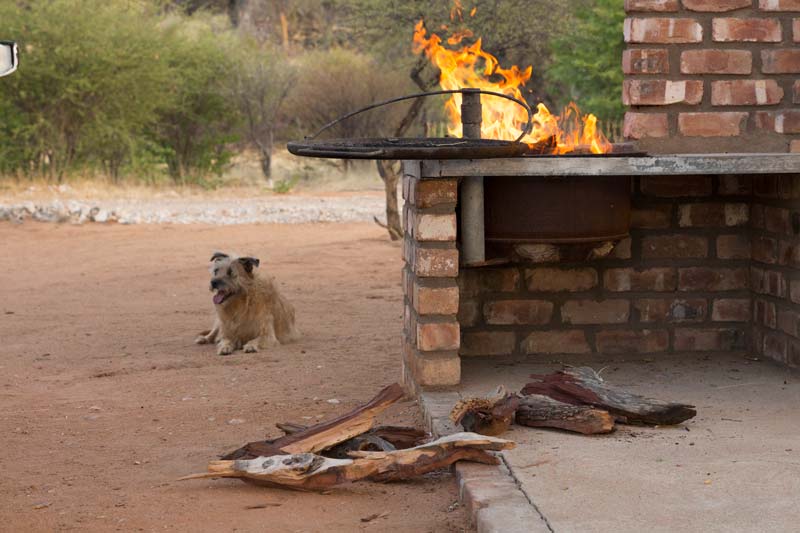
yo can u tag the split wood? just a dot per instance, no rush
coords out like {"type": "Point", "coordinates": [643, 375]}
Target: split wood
{"type": "Point", "coordinates": [313, 472]}
{"type": "Point", "coordinates": [583, 386]}
{"type": "Point", "coordinates": [325, 435]}
{"type": "Point", "coordinates": [540, 411]}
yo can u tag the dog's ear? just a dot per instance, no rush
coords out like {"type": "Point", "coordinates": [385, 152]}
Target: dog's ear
{"type": "Point", "coordinates": [249, 263]}
{"type": "Point", "coordinates": [217, 256]}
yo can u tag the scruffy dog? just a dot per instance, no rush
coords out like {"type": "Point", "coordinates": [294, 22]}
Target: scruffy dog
{"type": "Point", "coordinates": [250, 312]}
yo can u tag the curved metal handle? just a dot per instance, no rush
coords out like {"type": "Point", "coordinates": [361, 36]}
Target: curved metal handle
{"type": "Point", "coordinates": [526, 130]}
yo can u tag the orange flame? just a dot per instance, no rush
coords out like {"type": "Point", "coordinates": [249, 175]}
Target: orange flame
{"type": "Point", "coordinates": [473, 67]}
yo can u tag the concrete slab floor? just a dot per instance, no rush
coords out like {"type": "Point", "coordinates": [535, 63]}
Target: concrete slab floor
{"type": "Point", "coordinates": [734, 467]}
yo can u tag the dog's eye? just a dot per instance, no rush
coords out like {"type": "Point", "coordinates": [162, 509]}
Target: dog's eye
{"type": "Point", "coordinates": [230, 272]}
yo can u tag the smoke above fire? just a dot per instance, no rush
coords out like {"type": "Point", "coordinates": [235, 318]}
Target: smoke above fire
{"type": "Point", "coordinates": [470, 66]}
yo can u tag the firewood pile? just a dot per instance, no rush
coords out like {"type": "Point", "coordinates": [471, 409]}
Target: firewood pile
{"type": "Point", "coordinates": [348, 449]}
{"type": "Point", "coordinates": [574, 399]}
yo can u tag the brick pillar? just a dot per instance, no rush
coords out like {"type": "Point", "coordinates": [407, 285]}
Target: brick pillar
{"type": "Point", "coordinates": [432, 335]}
{"type": "Point", "coordinates": [712, 75]}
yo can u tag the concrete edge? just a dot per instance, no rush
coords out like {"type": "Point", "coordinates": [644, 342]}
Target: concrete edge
{"type": "Point", "coordinates": [492, 495]}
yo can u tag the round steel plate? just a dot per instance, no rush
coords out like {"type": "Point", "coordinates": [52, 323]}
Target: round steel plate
{"type": "Point", "coordinates": [427, 148]}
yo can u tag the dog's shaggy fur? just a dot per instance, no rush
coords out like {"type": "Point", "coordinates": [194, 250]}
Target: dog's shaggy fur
{"type": "Point", "coordinates": [250, 312]}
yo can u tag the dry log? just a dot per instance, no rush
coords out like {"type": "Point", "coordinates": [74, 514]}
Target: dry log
{"type": "Point", "coordinates": [321, 436]}
{"type": "Point", "coordinates": [487, 416]}
{"type": "Point", "coordinates": [314, 472]}
{"type": "Point", "coordinates": [540, 411]}
{"type": "Point", "coordinates": [583, 386]}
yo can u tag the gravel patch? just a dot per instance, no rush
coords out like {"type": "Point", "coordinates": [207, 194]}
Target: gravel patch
{"type": "Point", "coordinates": [272, 210]}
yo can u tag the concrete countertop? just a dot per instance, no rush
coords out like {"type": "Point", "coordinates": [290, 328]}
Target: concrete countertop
{"type": "Point", "coordinates": [655, 165]}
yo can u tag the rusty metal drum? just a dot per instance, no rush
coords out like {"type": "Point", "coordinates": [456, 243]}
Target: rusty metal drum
{"type": "Point", "coordinates": [531, 209]}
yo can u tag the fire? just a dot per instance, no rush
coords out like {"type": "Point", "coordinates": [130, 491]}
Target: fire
{"type": "Point", "coordinates": [473, 67]}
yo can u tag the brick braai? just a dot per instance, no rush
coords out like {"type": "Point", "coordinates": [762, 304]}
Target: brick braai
{"type": "Point", "coordinates": [712, 264]}
{"type": "Point", "coordinates": [712, 260]}
{"type": "Point", "coordinates": [712, 75]}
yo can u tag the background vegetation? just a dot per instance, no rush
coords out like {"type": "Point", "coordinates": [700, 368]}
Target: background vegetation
{"type": "Point", "coordinates": [159, 91]}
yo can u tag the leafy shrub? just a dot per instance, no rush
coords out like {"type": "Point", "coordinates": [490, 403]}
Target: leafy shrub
{"type": "Point", "coordinates": [332, 83]}
{"type": "Point", "coordinates": [115, 85]}
{"type": "Point", "coordinates": [284, 186]}
{"type": "Point", "coordinates": [586, 60]}
{"type": "Point", "coordinates": [89, 85]}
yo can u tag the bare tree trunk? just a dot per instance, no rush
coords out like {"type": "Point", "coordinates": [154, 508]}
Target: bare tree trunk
{"type": "Point", "coordinates": [284, 29]}
{"type": "Point", "coordinates": [265, 156]}
{"type": "Point", "coordinates": [391, 179]}
{"type": "Point", "coordinates": [386, 170]}
{"type": "Point", "coordinates": [266, 164]}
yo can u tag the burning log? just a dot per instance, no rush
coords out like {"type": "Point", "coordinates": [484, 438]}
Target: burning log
{"type": "Point", "coordinates": [487, 416]}
{"type": "Point", "coordinates": [541, 411]}
{"type": "Point", "coordinates": [313, 472]}
{"type": "Point", "coordinates": [583, 386]}
{"type": "Point", "coordinates": [321, 436]}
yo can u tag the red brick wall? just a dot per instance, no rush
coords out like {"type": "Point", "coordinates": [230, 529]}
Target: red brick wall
{"type": "Point", "coordinates": [431, 333]}
{"type": "Point", "coordinates": [712, 75]}
{"type": "Point", "coordinates": [775, 270]}
{"type": "Point", "coordinates": [680, 283]}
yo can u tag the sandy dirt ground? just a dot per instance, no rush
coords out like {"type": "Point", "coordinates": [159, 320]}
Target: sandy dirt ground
{"type": "Point", "coordinates": [105, 401]}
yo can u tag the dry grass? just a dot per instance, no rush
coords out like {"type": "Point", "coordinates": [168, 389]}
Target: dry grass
{"type": "Point", "coordinates": [242, 179]}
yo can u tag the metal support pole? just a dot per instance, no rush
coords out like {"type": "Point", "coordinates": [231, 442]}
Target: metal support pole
{"type": "Point", "coordinates": [473, 244]}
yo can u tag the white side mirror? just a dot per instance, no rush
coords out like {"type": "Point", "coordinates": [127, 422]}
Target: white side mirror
{"type": "Point", "coordinates": [8, 57]}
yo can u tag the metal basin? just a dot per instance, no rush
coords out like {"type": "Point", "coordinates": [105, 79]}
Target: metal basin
{"type": "Point", "coordinates": [520, 209]}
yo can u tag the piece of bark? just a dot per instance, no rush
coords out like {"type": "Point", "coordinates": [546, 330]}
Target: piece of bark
{"type": "Point", "coordinates": [290, 427]}
{"type": "Point", "coordinates": [540, 411]}
{"type": "Point", "coordinates": [583, 386]}
{"type": "Point", "coordinates": [486, 416]}
{"type": "Point", "coordinates": [321, 436]}
{"type": "Point", "coordinates": [313, 472]}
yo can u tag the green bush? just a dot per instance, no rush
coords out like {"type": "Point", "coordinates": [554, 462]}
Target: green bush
{"type": "Point", "coordinates": [195, 132]}
{"type": "Point", "coordinates": [89, 84]}
{"type": "Point", "coordinates": [332, 83]}
{"type": "Point", "coordinates": [586, 60]}
{"type": "Point", "coordinates": [113, 85]}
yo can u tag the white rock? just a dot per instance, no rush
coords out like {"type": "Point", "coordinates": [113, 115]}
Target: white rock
{"type": "Point", "coordinates": [101, 216]}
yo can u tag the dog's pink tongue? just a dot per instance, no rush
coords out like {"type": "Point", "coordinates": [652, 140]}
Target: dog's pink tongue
{"type": "Point", "coordinates": [218, 298]}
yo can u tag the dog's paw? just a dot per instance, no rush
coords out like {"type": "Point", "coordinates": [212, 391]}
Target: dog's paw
{"type": "Point", "coordinates": [251, 347]}
{"type": "Point", "coordinates": [225, 348]}
{"type": "Point", "coordinates": [201, 339]}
